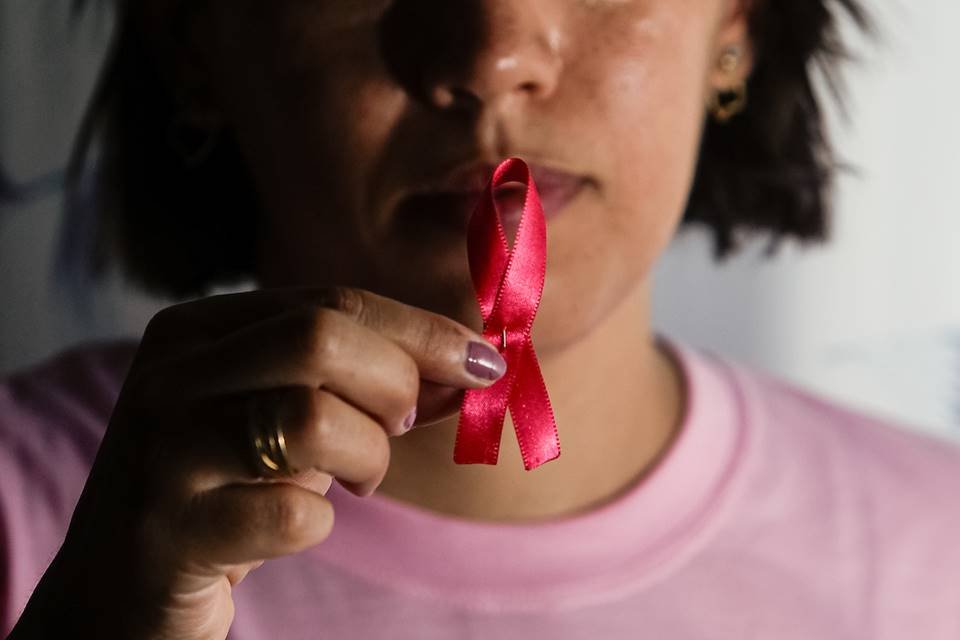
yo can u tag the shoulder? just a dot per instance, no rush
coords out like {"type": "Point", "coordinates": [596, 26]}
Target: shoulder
{"type": "Point", "coordinates": [53, 415]}
{"type": "Point", "coordinates": [848, 513]}
{"type": "Point", "coordinates": [69, 396]}
{"type": "Point", "coordinates": [824, 441]}
{"type": "Point", "coordinates": [877, 496]}
{"type": "Point", "coordinates": [871, 453]}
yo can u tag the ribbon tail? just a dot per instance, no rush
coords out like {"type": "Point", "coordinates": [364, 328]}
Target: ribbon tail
{"type": "Point", "coordinates": [481, 423]}
{"type": "Point", "coordinates": [532, 414]}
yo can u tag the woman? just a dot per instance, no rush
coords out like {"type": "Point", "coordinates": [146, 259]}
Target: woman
{"type": "Point", "coordinates": [332, 150]}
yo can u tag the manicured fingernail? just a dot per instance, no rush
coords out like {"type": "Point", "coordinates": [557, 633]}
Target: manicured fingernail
{"type": "Point", "coordinates": [484, 362]}
{"type": "Point", "coordinates": [409, 420]}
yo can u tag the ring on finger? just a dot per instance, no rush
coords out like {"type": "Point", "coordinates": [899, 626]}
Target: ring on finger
{"type": "Point", "coordinates": [269, 443]}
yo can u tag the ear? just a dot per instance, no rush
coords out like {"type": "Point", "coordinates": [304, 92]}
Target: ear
{"type": "Point", "coordinates": [732, 55]}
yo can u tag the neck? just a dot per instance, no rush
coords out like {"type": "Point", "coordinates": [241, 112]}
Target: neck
{"type": "Point", "coordinates": [618, 401]}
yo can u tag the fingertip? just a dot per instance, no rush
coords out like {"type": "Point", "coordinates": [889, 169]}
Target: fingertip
{"type": "Point", "coordinates": [359, 489]}
{"type": "Point", "coordinates": [410, 420]}
{"type": "Point", "coordinates": [483, 363]}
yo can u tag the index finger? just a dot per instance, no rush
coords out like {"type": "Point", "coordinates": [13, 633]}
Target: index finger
{"type": "Point", "coordinates": [441, 347]}
{"type": "Point", "coordinates": [444, 350]}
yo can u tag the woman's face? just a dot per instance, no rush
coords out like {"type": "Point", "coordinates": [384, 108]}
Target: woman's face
{"type": "Point", "coordinates": [369, 125]}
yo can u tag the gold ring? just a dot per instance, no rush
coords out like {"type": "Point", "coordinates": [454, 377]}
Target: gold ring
{"type": "Point", "coordinates": [269, 443]}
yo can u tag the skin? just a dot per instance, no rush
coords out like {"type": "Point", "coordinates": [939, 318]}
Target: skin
{"type": "Point", "coordinates": [336, 113]}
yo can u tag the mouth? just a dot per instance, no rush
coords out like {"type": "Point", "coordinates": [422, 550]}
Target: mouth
{"type": "Point", "coordinates": [449, 203]}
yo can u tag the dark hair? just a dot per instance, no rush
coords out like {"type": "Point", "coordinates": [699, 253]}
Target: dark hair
{"type": "Point", "coordinates": [179, 231]}
{"type": "Point", "coordinates": [771, 168]}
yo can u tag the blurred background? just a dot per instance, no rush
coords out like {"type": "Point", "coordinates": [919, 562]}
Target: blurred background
{"type": "Point", "coordinates": [871, 319]}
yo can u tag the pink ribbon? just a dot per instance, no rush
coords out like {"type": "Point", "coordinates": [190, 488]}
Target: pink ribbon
{"type": "Point", "coordinates": [509, 285]}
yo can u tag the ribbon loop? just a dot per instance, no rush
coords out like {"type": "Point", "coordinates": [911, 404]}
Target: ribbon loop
{"type": "Point", "coordinates": [509, 285]}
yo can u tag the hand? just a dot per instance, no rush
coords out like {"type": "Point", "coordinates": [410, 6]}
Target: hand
{"type": "Point", "coordinates": [177, 511]}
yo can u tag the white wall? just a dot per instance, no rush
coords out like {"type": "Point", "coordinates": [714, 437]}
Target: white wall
{"type": "Point", "coordinates": [872, 319]}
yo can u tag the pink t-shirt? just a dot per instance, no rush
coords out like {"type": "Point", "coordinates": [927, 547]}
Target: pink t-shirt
{"type": "Point", "coordinates": [774, 515]}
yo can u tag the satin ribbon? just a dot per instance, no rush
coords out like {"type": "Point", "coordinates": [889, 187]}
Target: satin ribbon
{"type": "Point", "coordinates": [509, 285]}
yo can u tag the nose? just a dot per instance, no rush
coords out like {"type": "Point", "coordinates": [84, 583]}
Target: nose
{"type": "Point", "coordinates": [474, 53]}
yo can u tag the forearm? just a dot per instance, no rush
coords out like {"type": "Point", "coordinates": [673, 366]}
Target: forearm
{"type": "Point", "coordinates": [78, 602]}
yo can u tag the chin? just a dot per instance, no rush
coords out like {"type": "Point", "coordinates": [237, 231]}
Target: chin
{"type": "Point", "coordinates": [575, 307]}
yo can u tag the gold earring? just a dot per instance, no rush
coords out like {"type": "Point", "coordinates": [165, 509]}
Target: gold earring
{"type": "Point", "coordinates": [725, 103]}
{"type": "Point", "coordinates": [729, 59]}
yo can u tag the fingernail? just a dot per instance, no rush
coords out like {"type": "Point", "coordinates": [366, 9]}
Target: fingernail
{"type": "Point", "coordinates": [484, 362]}
{"type": "Point", "coordinates": [409, 420]}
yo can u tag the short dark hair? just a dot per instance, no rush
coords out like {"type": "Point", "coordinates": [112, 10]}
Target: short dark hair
{"type": "Point", "coordinates": [179, 231]}
{"type": "Point", "coordinates": [771, 168]}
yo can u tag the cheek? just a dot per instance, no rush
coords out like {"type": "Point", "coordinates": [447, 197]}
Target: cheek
{"type": "Point", "coordinates": [646, 103]}
{"type": "Point", "coordinates": [658, 155]}
{"type": "Point", "coordinates": [656, 110]}
{"type": "Point", "coordinates": [311, 121]}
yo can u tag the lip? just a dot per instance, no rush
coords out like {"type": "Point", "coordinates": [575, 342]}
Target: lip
{"type": "Point", "coordinates": [451, 200]}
